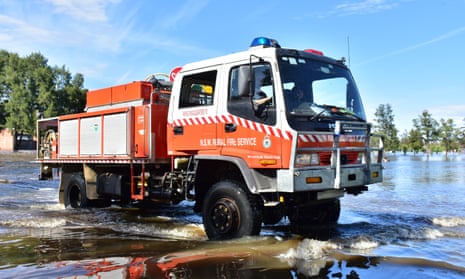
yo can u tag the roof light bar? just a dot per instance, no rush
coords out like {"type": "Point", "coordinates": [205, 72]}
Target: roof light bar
{"type": "Point", "coordinates": [264, 42]}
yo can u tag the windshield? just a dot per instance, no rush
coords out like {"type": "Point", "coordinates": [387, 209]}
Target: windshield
{"type": "Point", "coordinates": [319, 91]}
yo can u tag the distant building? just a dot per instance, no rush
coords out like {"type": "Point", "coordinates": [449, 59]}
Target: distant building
{"type": "Point", "coordinates": [8, 141]}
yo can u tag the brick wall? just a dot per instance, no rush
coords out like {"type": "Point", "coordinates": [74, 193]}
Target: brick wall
{"type": "Point", "coordinates": [6, 140]}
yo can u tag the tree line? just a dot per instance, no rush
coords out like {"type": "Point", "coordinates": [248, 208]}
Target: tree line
{"type": "Point", "coordinates": [32, 89]}
{"type": "Point", "coordinates": [427, 135]}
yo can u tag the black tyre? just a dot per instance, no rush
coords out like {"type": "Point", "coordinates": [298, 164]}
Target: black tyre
{"type": "Point", "coordinates": [320, 215]}
{"type": "Point", "coordinates": [75, 193]}
{"type": "Point", "coordinates": [230, 212]}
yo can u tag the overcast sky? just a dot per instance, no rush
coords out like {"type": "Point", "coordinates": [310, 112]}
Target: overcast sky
{"type": "Point", "coordinates": [407, 53]}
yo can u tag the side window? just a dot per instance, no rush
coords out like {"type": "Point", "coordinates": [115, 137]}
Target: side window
{"type": "Point", "coordinates": [198, 90]}
{"type": "Point", "coordinates": [251, 95]}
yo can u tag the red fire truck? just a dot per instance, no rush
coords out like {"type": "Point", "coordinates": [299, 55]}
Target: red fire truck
{"type": "Point", "coordinates": [251, 137]}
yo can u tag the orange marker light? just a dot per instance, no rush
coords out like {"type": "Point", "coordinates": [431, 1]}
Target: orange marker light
{"type": "Point", "coordinates": [313, 180]}
{"type": "Point", "coordinates": [267, 162]}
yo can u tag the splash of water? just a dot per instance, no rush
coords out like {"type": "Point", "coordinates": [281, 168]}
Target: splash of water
{"type": "Point", "coordinates": [449, 221]}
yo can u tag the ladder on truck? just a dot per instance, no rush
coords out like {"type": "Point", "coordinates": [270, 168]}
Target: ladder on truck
{"type": "Point", "coordinates": [136, 192]}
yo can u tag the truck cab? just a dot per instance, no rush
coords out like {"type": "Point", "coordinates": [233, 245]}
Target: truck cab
{"type": "Point", "coordinates": [285, 126]}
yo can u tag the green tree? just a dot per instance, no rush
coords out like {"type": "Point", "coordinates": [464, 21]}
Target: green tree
{"type": "Point", "coordinates": [29, 87]}
{"type": "Point", "coordinates": [404, 142]}
{"type": "Point", "coordinates": [4, 57]}
{"type": "Point", "coordinates": [4, 92]}
{"type": "Point", "coordinates": [448, 135]}
{"type": "Point", "coordinates": [21, 79]}
{"type": "Point", "coordinates": [461, 135]}
{"type": "Point", "coordinates": [385, 126]}
{"type": "Point", "coordinates": [415, 140]}
{"type": "Point", "coordinates": [76, 95]}
{"type": "Point", "coordinates": [427, 126]}
{"type": "Point", "coordinates": [63, 94]}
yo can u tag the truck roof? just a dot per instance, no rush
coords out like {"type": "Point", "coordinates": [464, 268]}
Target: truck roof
{"type": "Point", "coordinates": [259, 51]}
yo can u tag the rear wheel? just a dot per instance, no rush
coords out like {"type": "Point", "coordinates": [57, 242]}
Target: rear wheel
{"type": "Point", "coordinates": [230, 212]}
{"type": "Point", "coordinates": [75, 193]}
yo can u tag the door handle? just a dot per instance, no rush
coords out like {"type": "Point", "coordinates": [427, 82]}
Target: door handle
{"type": "Point", "coordinates": [178, 130]}
{"type": "Point", "coordinates": [230, 127]}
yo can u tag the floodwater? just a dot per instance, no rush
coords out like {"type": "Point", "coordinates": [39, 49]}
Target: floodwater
{"type": "Point", "coordinates": [410, 226]}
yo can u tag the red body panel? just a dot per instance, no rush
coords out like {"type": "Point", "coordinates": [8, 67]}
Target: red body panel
{"type": "Point", "coordinates": [119, 94]}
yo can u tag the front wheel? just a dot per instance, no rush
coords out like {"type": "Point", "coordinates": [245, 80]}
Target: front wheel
{"type": "Point", "coordinates": [75, 193]}
{"type": "Point", "coordinates": [230, 212]}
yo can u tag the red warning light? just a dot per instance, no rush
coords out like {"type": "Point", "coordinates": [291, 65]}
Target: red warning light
{"type": "Point", "coordinates": [314, 51]}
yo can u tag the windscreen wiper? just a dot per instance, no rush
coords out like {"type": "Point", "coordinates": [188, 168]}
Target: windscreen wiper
{"type": "Point", "coordinates": [318, 115]}
{"type": "Point", "coordinates": [333, 110]}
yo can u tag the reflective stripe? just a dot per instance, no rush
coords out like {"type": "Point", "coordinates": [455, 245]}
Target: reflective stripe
{"type": "Point", "coordinates": [261, 128]}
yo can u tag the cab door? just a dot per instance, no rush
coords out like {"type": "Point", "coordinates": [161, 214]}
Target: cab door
{"type": "Point", "coordinates": [249, 127]}
{"type": "Point", "coordinates": [192, 125]}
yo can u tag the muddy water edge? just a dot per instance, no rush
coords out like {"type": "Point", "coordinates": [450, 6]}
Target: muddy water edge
{"type": "Point", "coordinates": [410, 226]}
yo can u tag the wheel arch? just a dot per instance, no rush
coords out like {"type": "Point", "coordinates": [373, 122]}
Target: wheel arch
{"type": "Point", "coordinates": [212, 169]}
{"type": "Point", "coordinates": [88, 174]}
{"type": "Point", "coordinates": [66, 174]}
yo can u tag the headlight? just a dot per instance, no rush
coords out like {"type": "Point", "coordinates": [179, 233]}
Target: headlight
{"type": "Point", "coordinates": [311, 159]}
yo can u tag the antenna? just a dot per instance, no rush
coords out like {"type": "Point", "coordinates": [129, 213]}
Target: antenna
{"type": "Point", "coordinates": [348, 51]}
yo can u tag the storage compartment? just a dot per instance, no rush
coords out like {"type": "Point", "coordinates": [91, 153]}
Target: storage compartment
{"type": "Point", "coordinates": [68, 137]}
{"type": "Point", "coordinates": [100, 134]}
{"type": "Point", "coordinates": [134, 132]}
{"type": "Point", "coordinates": [91, 132]}
{"type": "Point", "coordinates": [138, 90]}
{"type": "Point", "coordinates": [109, 184]}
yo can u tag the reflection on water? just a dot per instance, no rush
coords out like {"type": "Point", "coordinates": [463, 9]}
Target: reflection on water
{"type": "Point", "coordinates": [410, 226]}
{"type": "Point", "coordinates": [246, 258]}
